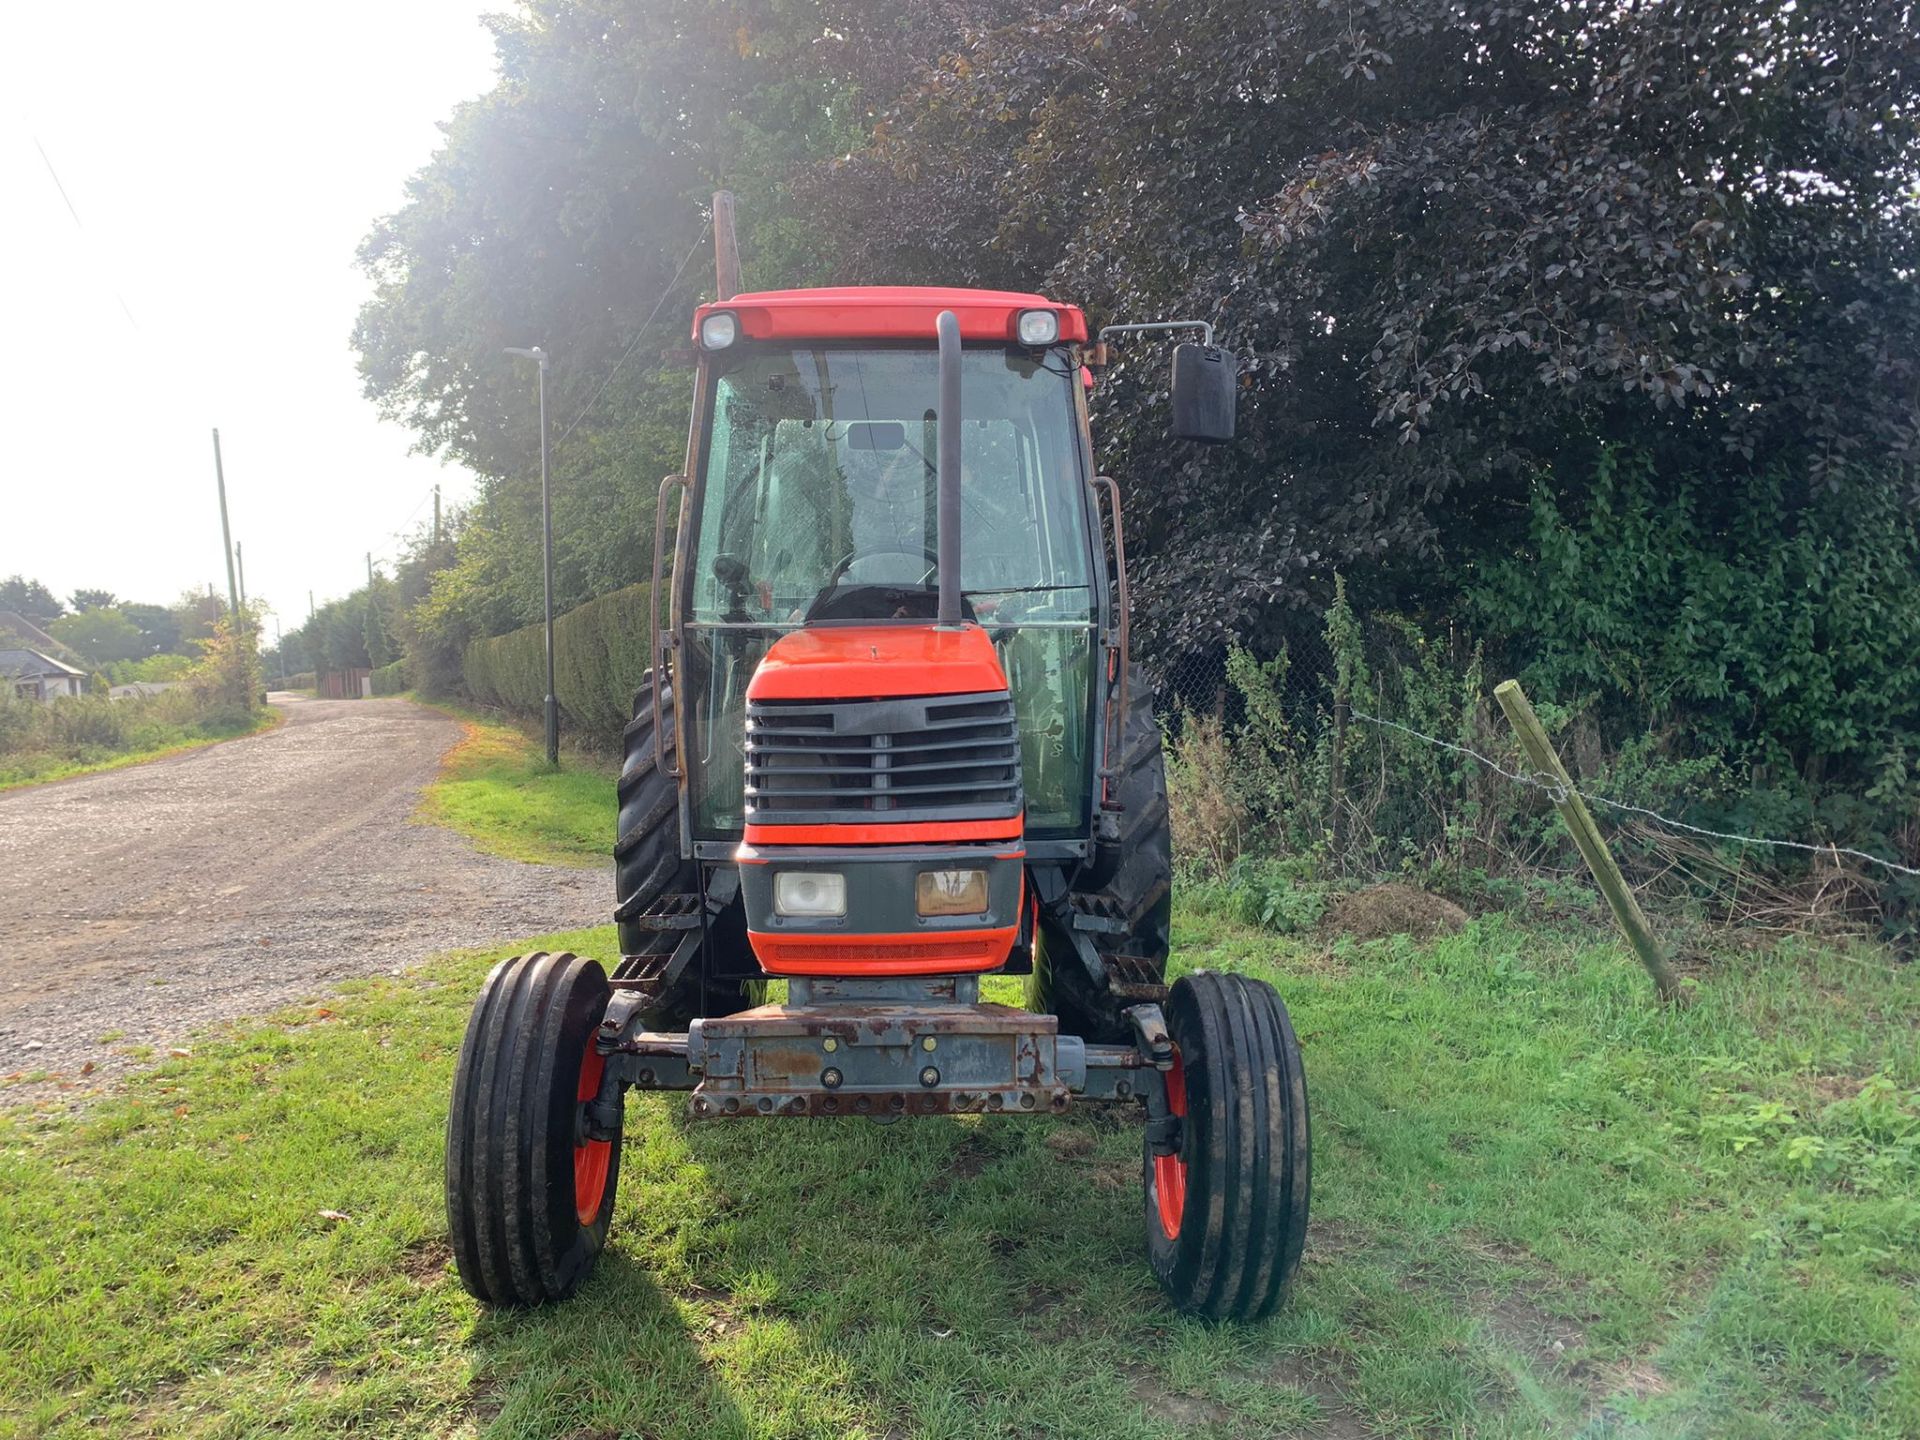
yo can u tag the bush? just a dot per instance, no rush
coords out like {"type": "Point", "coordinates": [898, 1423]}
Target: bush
{"type": "Point", "coordinates": [227, 682]}
{"type": "Point", "coordinates": [600, 652]}
{"type": "Point", "coordinates": [392, 679]}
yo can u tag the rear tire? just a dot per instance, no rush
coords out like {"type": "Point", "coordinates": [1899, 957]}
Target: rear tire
{"type": "Point", "coordinates": [1134, 874]}
{"type": "Point", "coordinates": [528, 1204]}
{"type": "Point", "coordinates": [646, 850]}
{"type": "Point", "coordinates": [648, 865]}
{"type": "Point", "coordinates": [1226, 1214]}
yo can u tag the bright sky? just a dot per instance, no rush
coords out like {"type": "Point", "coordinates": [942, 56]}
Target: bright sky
{"type": "Point", "coordinates": [225, 158]}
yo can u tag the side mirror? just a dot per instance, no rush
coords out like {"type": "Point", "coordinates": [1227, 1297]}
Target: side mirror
{"type": "Point", "coordinates": [1204, 385]}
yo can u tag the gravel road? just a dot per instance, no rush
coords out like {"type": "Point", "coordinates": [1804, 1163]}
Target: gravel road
{"type": "Point", "coordinates": [236, 879]}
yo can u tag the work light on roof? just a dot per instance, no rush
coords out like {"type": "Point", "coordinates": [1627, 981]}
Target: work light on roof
{"type": "Point", "coordinates": [1038, 327]}
{"type": "Point", "coordinates": [719, 330]}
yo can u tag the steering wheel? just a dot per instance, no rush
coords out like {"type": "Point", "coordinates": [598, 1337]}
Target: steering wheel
{"type": "Point", "coordinates": [841, 570]}
{"type": "Point", "coordinates": [850, 595]}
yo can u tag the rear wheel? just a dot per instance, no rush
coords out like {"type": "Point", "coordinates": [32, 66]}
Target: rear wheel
{"type": "Point", "coordinates": [1226, 1208]}
{"type": "Point", "coordinates": [648, 868]}
{"type": "Point", "coordinates": [529, 1196]}
{"type": "Point", "coordinates": [1130, 878]}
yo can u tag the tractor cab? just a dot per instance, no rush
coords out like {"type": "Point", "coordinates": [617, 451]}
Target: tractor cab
{"type": "Point", "coordinates": [891, 741]}
{"type": "Point", "coordinates": [827, 702]}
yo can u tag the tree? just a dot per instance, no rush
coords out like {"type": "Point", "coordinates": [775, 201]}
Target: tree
{"type": "Point", "coordinates": [30, 600]}
{"type": "Point", "coordinates": [93, 600]}
{"type": "Point", "coordinates": [159, 628]}
{"type": "Point", "coordinates": [1457, 245]}
{"type": "Point", "coordinates": [98, 636]}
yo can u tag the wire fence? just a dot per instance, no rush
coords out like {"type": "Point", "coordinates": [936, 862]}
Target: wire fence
{"type": "Point", "coordinates": [1374, 748]}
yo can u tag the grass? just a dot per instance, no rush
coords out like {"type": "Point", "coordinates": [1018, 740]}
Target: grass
{"type": "Point", "coordinates": [496, 788]}
{"type": "Point", "coordinates": [1542, 1205]}
{"type": "Point", "coordinates": [155, 742]}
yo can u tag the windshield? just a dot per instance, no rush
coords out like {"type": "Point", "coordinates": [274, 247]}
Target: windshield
{"type": "Point", "coordinates": [820, 481]}
{"type": "Point", "coordinates": [818, 503]}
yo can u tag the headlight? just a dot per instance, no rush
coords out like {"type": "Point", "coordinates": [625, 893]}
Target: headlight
{"type": "Point", "coordinates": [1038, 327]}
{"type": "Point", "coordinates": [809, 892]}
{"type": "Point", "coordinates": [950, 892]}
{"type": "Point", "coordinates": [719, 330]}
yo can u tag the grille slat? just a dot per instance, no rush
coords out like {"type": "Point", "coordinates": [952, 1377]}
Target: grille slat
{"type": "Point", "coordinates": [825, 762]}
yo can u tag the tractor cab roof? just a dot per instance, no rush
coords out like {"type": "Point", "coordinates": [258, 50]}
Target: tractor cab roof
{"type": "Point", "coordinates": [886, 312]}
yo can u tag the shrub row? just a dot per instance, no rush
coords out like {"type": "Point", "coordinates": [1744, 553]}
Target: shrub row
{"type": "Point", "coordinates": [305, 680]}
{"type": "Point", "coordinates": [392, 679]}
{"type": "Point", "coordinates": [599, 655]}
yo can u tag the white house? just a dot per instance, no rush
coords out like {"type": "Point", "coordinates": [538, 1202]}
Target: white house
{"type": "Point", "coordinates": [33, 676]}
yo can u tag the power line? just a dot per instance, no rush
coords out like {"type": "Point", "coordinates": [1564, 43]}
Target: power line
{"type": "Point", "coordinates": [634, 343]}
{"type": "Point", "coordinates": [78, 223]}
{"type": "Point", "coordinates": [1559, 792]}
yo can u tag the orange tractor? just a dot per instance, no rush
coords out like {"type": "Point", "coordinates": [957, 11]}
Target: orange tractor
{"type": "Point", "coordinates": [892, 742]}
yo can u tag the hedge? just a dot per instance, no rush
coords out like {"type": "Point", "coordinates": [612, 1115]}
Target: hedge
{"type": "Point", "coordinates": [392, 679]}
{"type": "Point", "coordinates": [599, 655]}
{"type": "Point", "coordinates": [305, 680]}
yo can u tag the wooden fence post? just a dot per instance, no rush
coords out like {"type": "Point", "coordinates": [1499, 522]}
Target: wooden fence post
{"type": "Point", "coordinates": [1579, 822]}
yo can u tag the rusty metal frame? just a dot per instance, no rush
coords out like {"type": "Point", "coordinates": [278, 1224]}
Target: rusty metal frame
{"type": "Point", "coordinates": [1116, 728]}
{"type": "Point", "coordinates": [882, 1048]}
{"type": "Point", "coordinates": [661, 643]}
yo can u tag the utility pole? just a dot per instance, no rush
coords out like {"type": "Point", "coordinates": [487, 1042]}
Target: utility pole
{"type": "Point", "coordinates": [436, 514]}
{"type": "Point", "coordinates": [369, 572]}
{"type": "Point", "coordinates": [241, 560]}
{"type": "Point", "coordinates": [552, 706]}
{"type": "Point", "coordinates": [309, 605]}
{"type": "Point", "coordinates": [226, 535]}
{"type": "Point", "coordinates": [726, 248]}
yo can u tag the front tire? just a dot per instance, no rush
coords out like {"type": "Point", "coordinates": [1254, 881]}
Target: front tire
{"type": "Point", "coordinates": [529, 1201]}
{"type": "Point", "coordinates": [1226, 1213]}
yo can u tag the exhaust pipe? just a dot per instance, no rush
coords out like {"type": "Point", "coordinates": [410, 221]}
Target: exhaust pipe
{"type": "Point", "coordinates": [947, 474]}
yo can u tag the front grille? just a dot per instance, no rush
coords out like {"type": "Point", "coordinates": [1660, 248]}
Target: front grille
{"type": "Point", "coordinates": [823, 762]}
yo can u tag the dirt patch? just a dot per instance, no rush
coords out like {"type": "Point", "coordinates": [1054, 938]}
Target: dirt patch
{"type": "Point", "coordinates": [1164, 1404]}
{"type": "Point", "coordinates": [1337, 1421]}
{"type": "Point", "coordinates": [1383, 910]}
{"type": "Point", "coordinates": [425, 1261]}
{"type": "Point", "coordinates": [1071, 1144]}
{"type": "Point", "coordinates": [1550, 1344]}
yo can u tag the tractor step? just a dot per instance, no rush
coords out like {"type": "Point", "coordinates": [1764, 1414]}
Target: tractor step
{"type": "Point", "coordinates": [1097, 912]}
{"type": "Point", "coordinates": [1134, 978]}
{"type": "Point", "coordinates": [668, 912]}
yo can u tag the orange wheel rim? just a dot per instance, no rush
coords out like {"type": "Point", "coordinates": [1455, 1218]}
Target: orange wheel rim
{"type": "Point", "coordinates": [1170, 1171]}
{"type": "Point", "coordinates": [590, 1157]}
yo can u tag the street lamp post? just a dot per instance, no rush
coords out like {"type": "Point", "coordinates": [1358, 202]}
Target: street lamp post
{"type": "Point", "coordinates": [539, 357]}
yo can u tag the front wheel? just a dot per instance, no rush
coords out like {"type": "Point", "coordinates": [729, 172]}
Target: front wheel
{"type": "Point", "coordinates": [529, 1195]}
{"type": "Point", "coordinates": [1226, 1207]}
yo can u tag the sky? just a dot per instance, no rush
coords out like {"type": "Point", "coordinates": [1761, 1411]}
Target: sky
{"type": "Point", "coordinates": [225, 158]}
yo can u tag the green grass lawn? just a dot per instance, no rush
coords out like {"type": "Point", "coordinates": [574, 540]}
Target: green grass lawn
{"type": "Point", "coordinates": [496, 788]}
{"type": "Point", "coordinates": [1543, 1206]}
{"type": "Point", "coordinates": [155, 742]}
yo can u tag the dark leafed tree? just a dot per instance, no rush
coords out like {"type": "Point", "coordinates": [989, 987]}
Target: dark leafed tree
{"type": "Point", "coordinates": [93, 600]}
{"type": "Point", "coordinates": [1458, 246]}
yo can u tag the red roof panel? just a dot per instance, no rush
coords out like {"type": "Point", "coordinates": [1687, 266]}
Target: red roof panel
{"type": "Point", "coordinates": [886, 312]}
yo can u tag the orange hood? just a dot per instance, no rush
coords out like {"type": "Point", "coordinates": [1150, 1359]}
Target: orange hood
{"type": "Point", "coordinates": [877, 662]}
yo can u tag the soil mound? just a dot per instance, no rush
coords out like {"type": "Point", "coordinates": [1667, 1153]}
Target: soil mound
{"type": "Point", "coordinates": [1383, 910]}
